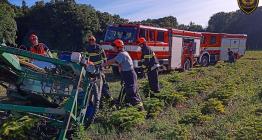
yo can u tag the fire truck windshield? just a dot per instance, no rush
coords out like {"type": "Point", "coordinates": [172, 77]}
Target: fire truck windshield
{"type": "Point", "coordinates": [126, 34]}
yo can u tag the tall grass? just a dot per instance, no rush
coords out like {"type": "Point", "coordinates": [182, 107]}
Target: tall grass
{"type": "Point", "coordinates": [218, 102]}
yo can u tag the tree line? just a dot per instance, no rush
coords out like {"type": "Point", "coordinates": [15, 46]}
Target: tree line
{"type": "Point", "coordinates": [64, 24]}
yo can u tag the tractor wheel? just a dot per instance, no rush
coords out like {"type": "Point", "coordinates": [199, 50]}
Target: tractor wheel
{"type": "Point", "coordinates": [187, 65]}
{"type": "Point", "coordinates": [93, 105]}
{"type": "Point", "coordinates": [204, 61]}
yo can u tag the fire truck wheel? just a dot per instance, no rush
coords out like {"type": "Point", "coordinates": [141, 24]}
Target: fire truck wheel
{"type": "Point", "coordinates": [187, 65]}
{"type": "Point", "coordinates": [204, 61]}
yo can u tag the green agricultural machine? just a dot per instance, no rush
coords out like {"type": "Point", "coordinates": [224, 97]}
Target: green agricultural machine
{"type": "Point", "coordinates": [59, 94]}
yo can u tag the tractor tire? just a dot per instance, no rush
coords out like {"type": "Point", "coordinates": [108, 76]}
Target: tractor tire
{"type": "Point", "coordinates": [93, 105]}
{"type": "Point", "coordinates": [187, 65]}
{"type": "Point", "coordinates": [204, 61]}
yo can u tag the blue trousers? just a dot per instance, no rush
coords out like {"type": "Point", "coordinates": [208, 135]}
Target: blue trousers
{"type": "Point", "coordinates": [153, 80]}
{"type": "Point", "coordinates": [105, 87]}
{"type": "Point", "coordinates": [130, 80]}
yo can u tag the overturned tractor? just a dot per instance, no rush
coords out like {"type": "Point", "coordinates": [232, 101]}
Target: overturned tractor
{"type": "Point", "coordinates": [60, 93]}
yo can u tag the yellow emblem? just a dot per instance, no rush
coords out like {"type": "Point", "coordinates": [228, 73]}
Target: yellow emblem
{"type": "Point", "coordinates": [248, 6]}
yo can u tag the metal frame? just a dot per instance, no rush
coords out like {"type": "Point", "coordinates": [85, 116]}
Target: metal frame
{"type": "Point", "coordinates": [71, 111]}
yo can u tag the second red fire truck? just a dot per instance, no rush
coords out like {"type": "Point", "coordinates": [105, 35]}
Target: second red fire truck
{"type": "Point", "coordinates": [215, 47]}
{"type": "Point", "coordinates": [175, 49]}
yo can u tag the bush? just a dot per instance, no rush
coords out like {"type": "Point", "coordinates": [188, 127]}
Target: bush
{"type": "Point", "coordinates": [127, 118]}
{"type": "Point", "coordinates": [80, 134]}
{"type": "Point", "coordinates": [171, 98]}
{"type": "Point", "coordinates": [251, 130]}
{"type": "Point", "coordinates": [153, 106]}
{"type": "Point", "coordinates": [160, 129]}
{"type": "Point", "coordinates": [145, 88]}
{"type": "Point", "coordinates": [17, 128]}
{"type": "Point", "coordinates": [164, 87]}
{"type": "Point", "coordinates": [219, 65]}
{"type": "Point", "coordinates": [258, 112]}
{"type": "Point", "coordinates": [167, 131]}
{"type": "Point", "coordinates": [213, 105]}
{"type": "Point", "coordinates": [192, 88]}
{"type": "Point", "coordinates": [224, 93]}
{"type": "Point", "coordinates": [195, 117]}
{"type": "Point", "coordinates": [167, 94]}
{"type": "Point", "coordinates": [174, 77]}
{"type": "Point", "coordinates": [178, 133]}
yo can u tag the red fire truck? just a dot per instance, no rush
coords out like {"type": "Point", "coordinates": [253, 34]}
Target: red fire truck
{"type": "Point", "coordinates": [215, 47]}
{"type": "Point", "coordinates": [175, 49]}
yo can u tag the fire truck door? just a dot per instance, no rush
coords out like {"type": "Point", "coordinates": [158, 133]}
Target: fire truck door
{"type": "Point", "coordinates": [176, 52]}
{"type": "Point", "coordinates": [234, 45]}
{"type": "Point", "coordinates": [197, 48]}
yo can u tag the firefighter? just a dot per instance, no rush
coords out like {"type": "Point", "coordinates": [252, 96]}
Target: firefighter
{"type": "Point", "coordinates": [94, 53]}
{"type": "Point", "coordinates": [128, 74]}
{"type": "Point", "coordinates": [150, 64]}
{"type": "Point", "coordinates": [231, 57]}
{"type": "Point", "coordinates": [38, 48]}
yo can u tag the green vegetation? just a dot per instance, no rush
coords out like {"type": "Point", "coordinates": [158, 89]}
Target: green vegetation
{"type": "Point", "coordinates": [45, 18]}
{"type": "Point", "coordinates": [125, 119]}
{"type": "Point", "coordinates": [213, 105]}
{"type": "Point", "coordinates": [216, 102]}
{"type": "Point", "coordinates": [7, 23]}
{"type": "Point", "coordinates": [17, 127]}
{"type": "Point", "coordinates": [153, 106]}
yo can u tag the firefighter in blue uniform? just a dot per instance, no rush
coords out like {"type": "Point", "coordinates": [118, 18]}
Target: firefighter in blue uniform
{"type": "Point", "coordinates": [128, 74]}
{"type": "Point", "coordinates": [94, 53]}
{"type": "Point", "coordinates": [231, 57]}
{"type": "Point", "coordinates": [150, 64]}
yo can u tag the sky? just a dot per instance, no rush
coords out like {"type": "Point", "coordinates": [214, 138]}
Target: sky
{"type": "Point", "coordinates": [198, 11]}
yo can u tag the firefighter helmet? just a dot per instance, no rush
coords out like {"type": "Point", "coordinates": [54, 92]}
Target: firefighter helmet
{"type": "Point", "coordinates": [141, 40]}
{"type": "Point", "coordinates": [118, 43]}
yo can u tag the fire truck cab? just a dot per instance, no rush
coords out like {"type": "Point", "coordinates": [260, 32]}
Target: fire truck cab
{"type": "Point", "coordinates": [175, 49]}
{"type": "Point", "coordinates": [215, 47]}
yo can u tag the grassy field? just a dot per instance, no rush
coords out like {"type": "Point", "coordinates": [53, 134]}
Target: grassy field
{"type": "Point", "coordinates": [216, 102]}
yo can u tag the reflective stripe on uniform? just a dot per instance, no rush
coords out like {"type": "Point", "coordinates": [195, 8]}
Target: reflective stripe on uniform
{"type": "Point", "coordinates": [94, 54]}
{"type": "Point", "coordinates": [91, 54]}
{"type": "Point", "coordinates": [98, 62]}
{"type": "Point", "coordinates": [149, 56]}
{"type": "Point", "coordinates": [143, 66]}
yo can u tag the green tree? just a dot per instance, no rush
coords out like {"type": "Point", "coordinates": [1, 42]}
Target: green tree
{"type": "Point", "coordinates": [8, 26]}
{"type": "Point", "coordinates": [239, 23]}
{"type": "Point", "coordinates": [194, 27]}
{"type": "Point", "coordinates": [218, 22]}
{"type": "Point", "coordinates": [168, 22]}
{"type": "Point", "coordinates": [165, 22]}
{"type": "Point", "coordinates": [64, 25]}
